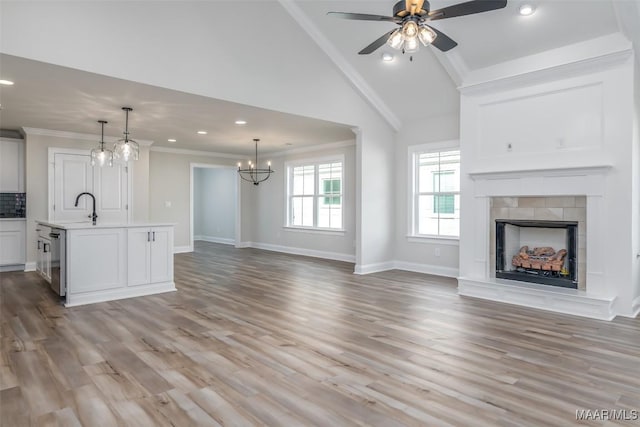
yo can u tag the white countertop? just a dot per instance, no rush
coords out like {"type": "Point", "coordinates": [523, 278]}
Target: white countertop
{"type": "Point", "coordinates": [13, 219]}
{"type": "Point", "coordinates": [86, 225]}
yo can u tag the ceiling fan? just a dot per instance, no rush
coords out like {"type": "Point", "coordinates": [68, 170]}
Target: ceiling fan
{"type": "Point", "coordinates": [412, 17]}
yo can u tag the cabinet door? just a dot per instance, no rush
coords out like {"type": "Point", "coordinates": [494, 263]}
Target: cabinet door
{"type": "Point", "coordinates": [11, 165]}
{"type": "Point", "coordinates": [111, 191]}
{"type": "Point", "coordinates": [161, 254]}
{"type": "Point", "coordinates": [73, 175]}
{"type": "Point", "coordinates": [12, 242]}
{"type": "Point", "coordinates": [138, 256]}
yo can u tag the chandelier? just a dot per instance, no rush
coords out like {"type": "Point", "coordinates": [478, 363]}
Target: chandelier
{"type": "Point", "coordinates": [407, 37]}
{"type": "Point", "coordinates": [125, 148]}
{"type": "Point", "coordinates": [101, 155]}
{"type": "Point", "coordinates": [252, 173]}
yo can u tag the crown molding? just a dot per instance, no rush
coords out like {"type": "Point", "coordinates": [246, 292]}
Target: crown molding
{"type": "Point", "coordinates": [330, 50]}
{"type": "Point", "coordinates": [587, 56]}
{"type": "Point", "coordinates": [319, 147]}
{"type": "Point", "coordinates": [189, 152]}
{"type": "Point", "coordinates": [78, 136]}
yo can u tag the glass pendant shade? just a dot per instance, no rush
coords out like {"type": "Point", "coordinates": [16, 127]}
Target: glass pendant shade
{"type": "Point", "coordinates": [396, 40]}
{"type": "Point", "coordinates": [426, 35]}
{"type": "Point", "coordinates": [100, 155]}
{"type": "Point", "coordinates": [126, 149]}
{"type": "Point", "coordinates": [411, 45]}
{"type": "Point", "coordinates": [409, 30]}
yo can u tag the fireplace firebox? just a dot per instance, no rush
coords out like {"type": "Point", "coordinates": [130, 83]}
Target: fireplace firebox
{"type": "Point", "coordinates": [535, 251]}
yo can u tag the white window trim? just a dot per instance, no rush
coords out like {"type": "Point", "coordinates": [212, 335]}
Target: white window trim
{"type": "Point", "coordinates": [287, 186]}
{"type": "Point", "coordinates": [412, 150]}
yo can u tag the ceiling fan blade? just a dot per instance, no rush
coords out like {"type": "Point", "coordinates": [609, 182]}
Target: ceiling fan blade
{"type": "Point", "coordinates": [376, 44]}
{"type": "Point", "coordinates": [468, 8]}
{"type": "Point", "coordinates": [363, 17]}
{"type": "Point", "coordinates": [414, 6]}
{"type": "Point", "coordinates": [443, 41]}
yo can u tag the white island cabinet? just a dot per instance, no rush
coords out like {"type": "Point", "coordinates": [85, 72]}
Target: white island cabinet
{"type": "Point", "coordinates": [113, 261]}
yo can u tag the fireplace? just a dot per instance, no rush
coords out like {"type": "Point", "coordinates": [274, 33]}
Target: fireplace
{"type": "Point", "coordinates": [536, 251]}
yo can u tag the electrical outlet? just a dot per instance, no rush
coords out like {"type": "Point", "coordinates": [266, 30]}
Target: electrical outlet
{"type": "Point", "coordinates": [437, 252]}
{"type": "Point", "coordinates": [167, 204]}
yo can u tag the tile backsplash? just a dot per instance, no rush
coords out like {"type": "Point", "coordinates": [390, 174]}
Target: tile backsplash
{"type": "Point", "coordinates": [13, 205]}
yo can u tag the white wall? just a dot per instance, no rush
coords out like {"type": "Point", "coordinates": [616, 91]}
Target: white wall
{"type": "Point", "coordinates": [167, 51]}
{"type": "Point", "coordinates": [421, 256]}
{"type": "Point", "coordinates": [269, 211]}
{"type": "Point", "coordinates": [215, 203]}
{"type": "Point", "coordinates": [169, 177]}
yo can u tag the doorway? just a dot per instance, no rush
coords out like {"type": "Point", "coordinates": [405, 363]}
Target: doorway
{"type": "Point", "coordinates": [215, 204]}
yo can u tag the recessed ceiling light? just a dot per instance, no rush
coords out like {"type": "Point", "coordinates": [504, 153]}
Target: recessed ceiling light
{"type": "Point", "coordinates": [387, 57]}
{"type": "Point", "coordinates": [527, 9]}
{"type": "Point", "coordinates": [6, 82]}
{"type": "Point", "coordinates": [171, 140]}
{"type": "Point", "coordinates": [202, 132]}
{"type": "Point", "coordinates": [241, 122]}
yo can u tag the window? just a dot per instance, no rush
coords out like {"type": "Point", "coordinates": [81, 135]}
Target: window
{"type": "Point", "coordinates": [314, 194]}
{"type": "Point", "coordinates": [436, 193]}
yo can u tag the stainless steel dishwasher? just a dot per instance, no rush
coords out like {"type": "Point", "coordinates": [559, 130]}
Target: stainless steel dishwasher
{"type": "Point", "coordinates": [58, 261]}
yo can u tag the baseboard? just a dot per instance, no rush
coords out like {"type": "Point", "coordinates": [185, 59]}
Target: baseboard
{"type": "Point", "coordinates": [436, 270]}
{"type": "Point", "coordinates": [336, 256]}
{"type": "Point", "coordinates": [242, 245]}
{"type": "Point", "coordinates": [120, 293]}
{"type": "Point", "coordinates": [635, 307]}
{"type": "Point", "coordinates": [14, 267]}
{"type": "Point", "coordinates": [212, 239]}
{"type": "Point", "coordinates": [373, 268]}
{"type": "Point", "coordinates": [30, 266]}
{"type": "Point", "coordinates": [182, 249]}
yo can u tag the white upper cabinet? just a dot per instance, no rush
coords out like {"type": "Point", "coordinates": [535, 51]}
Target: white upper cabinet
{"type": "Point", "coordinates": [11, 165]}
{"type": "Point", "coordinates": [72, 174]}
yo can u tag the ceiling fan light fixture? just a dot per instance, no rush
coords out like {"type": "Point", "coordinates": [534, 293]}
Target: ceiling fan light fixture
{"type": "Point", "coordinates": [426, 35]}
{"type": "Point", "coordinates": [396, 40]}
{"type": "Point", "coordinates": [387, 57]}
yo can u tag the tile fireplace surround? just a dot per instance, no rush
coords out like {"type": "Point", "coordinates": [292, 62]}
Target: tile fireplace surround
{"type": "Point", "coordinates": [571, 194]}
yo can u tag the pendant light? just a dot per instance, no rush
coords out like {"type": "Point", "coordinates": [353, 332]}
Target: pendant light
{"type": "Point", "coordinates": [126, 149]}
{"type": "Point", "coordinates": [253, 173]}
{"type": "Point", "coordinates": [101, 155]}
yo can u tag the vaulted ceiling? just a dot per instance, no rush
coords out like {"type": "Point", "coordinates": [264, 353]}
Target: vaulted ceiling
{"type": "Point", "coordinates": [407, 89]}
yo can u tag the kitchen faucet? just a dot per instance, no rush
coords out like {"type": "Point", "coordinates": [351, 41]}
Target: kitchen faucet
{"type": "Point", "coordinates": [94, 216]}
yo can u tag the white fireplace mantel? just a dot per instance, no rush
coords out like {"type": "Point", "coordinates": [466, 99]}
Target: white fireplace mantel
{"type": "Point", "coordinates": [598, 300]}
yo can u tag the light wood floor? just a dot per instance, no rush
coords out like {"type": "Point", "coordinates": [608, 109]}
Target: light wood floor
{"type": "Point", "coordinates": [260, 338]}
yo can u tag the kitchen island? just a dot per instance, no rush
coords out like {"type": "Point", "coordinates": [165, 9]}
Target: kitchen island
{"type": "Point", "coordinates": [87, 263]}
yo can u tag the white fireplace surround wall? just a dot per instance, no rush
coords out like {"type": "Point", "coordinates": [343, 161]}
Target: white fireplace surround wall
{"type": "Point", "coordinates": [597, 301]}
{"type": "Point", "coordinates": [559, 124]}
